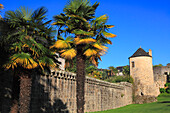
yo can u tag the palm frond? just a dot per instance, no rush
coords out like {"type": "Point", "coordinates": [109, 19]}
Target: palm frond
{"type": "Point", "coordinates": [1, 6]}
{"type": "Point", "coordinates": [100, 47]}
{"type": "Point", "coordinates": [21, 59]}
{"type": "Point", "coordinates": [39, 14]}
{"type": "Point", "coordinates": [24, 12]}
{"type": "Point", "coordinates": [85, 41]}
{"type": "Point", "coordinates": [109, 26]}
{"type": "Point", "coordinates": [61, 43]}
{"type": "Point", "coordinates": [81, 32]}
{"type": "Point", "coordinates": [68, 53]}
{"type": "Point", "coordinates": [46, 61]}
{"type": "Point", "coordinates": [101, 19]}
{"type": "Point", "coordinates": [95, 5]}
{"type": "Point", "coordinates": [93, 59]}
{"type": "Point", "coordinates": [77, 17]}
{"type": "Point", "coordinates": [90, 52]}
{"type": "Point", "coordinates": [106, 34]}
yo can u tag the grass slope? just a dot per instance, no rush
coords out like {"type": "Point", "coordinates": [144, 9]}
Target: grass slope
{"type": "Point", "coordinates": [161, 106]}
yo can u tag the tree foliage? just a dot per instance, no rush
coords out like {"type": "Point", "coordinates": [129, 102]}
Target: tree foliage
{"type": "Point", "coordinates": [159, 65]}
{"type": "Point", "coordinates": [113, 69]}
{"type": "Point", "coordinates": [84, 29]}
{"type": "Point", "coordinates": [126, 70]}
{"type": "Point", "coordinates": [27, 39]}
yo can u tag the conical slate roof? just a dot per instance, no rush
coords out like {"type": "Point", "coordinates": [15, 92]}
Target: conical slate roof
{"type": "Point", "coordinates": [140, 52]}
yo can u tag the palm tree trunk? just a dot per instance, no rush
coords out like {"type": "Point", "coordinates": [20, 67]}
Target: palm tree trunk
{"type": "Point", "coordinates": [25, 92]}
{"type": "Point", "coordinates": [14, 107]}
{"type": "Point", "coordinates": [80, 79]}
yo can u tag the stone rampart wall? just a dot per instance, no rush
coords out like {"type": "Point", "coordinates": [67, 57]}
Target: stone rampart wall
{"type": "Point", "coordinates": [160, 77]}
{"type": "Point", "coordinates": [57, 93]}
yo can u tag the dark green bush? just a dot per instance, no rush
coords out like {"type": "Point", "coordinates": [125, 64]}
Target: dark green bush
{"type": "Point", "coordinates": [117, 79]}
{"type": "Point", "coordinates": [162, 90]}
{"type": "Point", "coordinates": [167, 84]}
{"type": "Point", "coordinates": [104, 75]}
{"type": "Point", "coordinates": [164, 95]}
{"type": "Point", "coordinates": [130, 79]}
{"type": "Point", "coordinates": [168, 90]}
{"type": "Point", "coordinates": [120, 79]}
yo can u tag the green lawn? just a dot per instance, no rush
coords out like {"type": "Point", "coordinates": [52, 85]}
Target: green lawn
{"type": "Point", "coordinates": [161, 106]}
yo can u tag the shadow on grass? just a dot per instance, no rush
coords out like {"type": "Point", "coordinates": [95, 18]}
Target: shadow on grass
{"type": "Point", "coordinates": [164, 102]}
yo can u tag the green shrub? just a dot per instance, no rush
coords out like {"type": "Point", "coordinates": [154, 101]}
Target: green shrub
{"type": "Point", "coordinates": [130, 79]}
{"type": "Point", "coordinates": [167, 84]}
{"type": "Point", "coordinates": [120, 79]}
{"type": "Point", "coordinates": [164, 95]}
{"type": "Point", "coordinates": [168, 90]}
{"type": "Point", "coordinates": [117, 79]}
{"type": "Point", "coordinates": [104, 75]}
{"type": "Point", "coordinates": [122, 95]}
{"type": "Point", "coordinates": [162, 90]}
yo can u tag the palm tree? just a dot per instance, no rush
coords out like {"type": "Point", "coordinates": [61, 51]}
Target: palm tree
{"type": "Point", "coordinates": [28, 42]}
{"type": "Point", "coordinates": [87, 39]}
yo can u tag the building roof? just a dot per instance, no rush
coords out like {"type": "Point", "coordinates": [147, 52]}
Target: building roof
{"type": "Point", "coordinates": [140, 52]}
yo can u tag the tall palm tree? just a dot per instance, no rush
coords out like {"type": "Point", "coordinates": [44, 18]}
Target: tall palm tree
{"type": "Point", "coordinates": [87, 39]}
{"type": "Point", "coordinates": [28, 42]}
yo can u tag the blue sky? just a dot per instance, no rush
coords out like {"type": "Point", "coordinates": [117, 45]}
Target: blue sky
{"type": "Point", "coordinates": [144, 23]}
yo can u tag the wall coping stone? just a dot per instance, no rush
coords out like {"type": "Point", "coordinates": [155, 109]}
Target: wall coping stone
{"type": "Point", "coordinates": [69, 75]}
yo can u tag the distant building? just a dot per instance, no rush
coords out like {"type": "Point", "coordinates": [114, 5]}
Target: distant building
{"type": "Point", "coordinates": [120, 70]}
{"type": "Point", "coordinates": [60, 62]}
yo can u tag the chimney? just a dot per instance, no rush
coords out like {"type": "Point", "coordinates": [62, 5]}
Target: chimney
{"type": "Point", "coordinates": [150, 52]}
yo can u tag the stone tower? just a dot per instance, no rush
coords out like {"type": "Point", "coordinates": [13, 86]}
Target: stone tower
{"type": "Point", "coordinates": [141, 70]}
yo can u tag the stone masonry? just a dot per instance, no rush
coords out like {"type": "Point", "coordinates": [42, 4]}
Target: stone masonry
{"type": "Point", "coordinates": [160, 75]}
{"type": "Point", "coordinates": [56, 93]}
{"type": "Point", "coordinates": [61, 87]}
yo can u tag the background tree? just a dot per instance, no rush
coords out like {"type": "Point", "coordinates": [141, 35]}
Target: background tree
{"type": "Point", "coordinates": [27, 42]}
{"type": "Point", "coordinates": [104, 75]}
{"type": "Point", "coordinates": [126, 70]}
{"type": "Point", "coordinates": [87, 39]}
{"type": "Point", "coordinates": [90, 69]}
{"type": "Point", "coordinates": [71, 66]}
{"type": "Point", "coordinates": [113, 70]}
{"type": "Point", "coordinates": [159, 65]}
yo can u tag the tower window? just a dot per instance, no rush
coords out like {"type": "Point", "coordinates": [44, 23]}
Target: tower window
{"type": "Point", "coordinates": [166, 73]}
{"type": "Point", "coordinates": [133, 64]}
